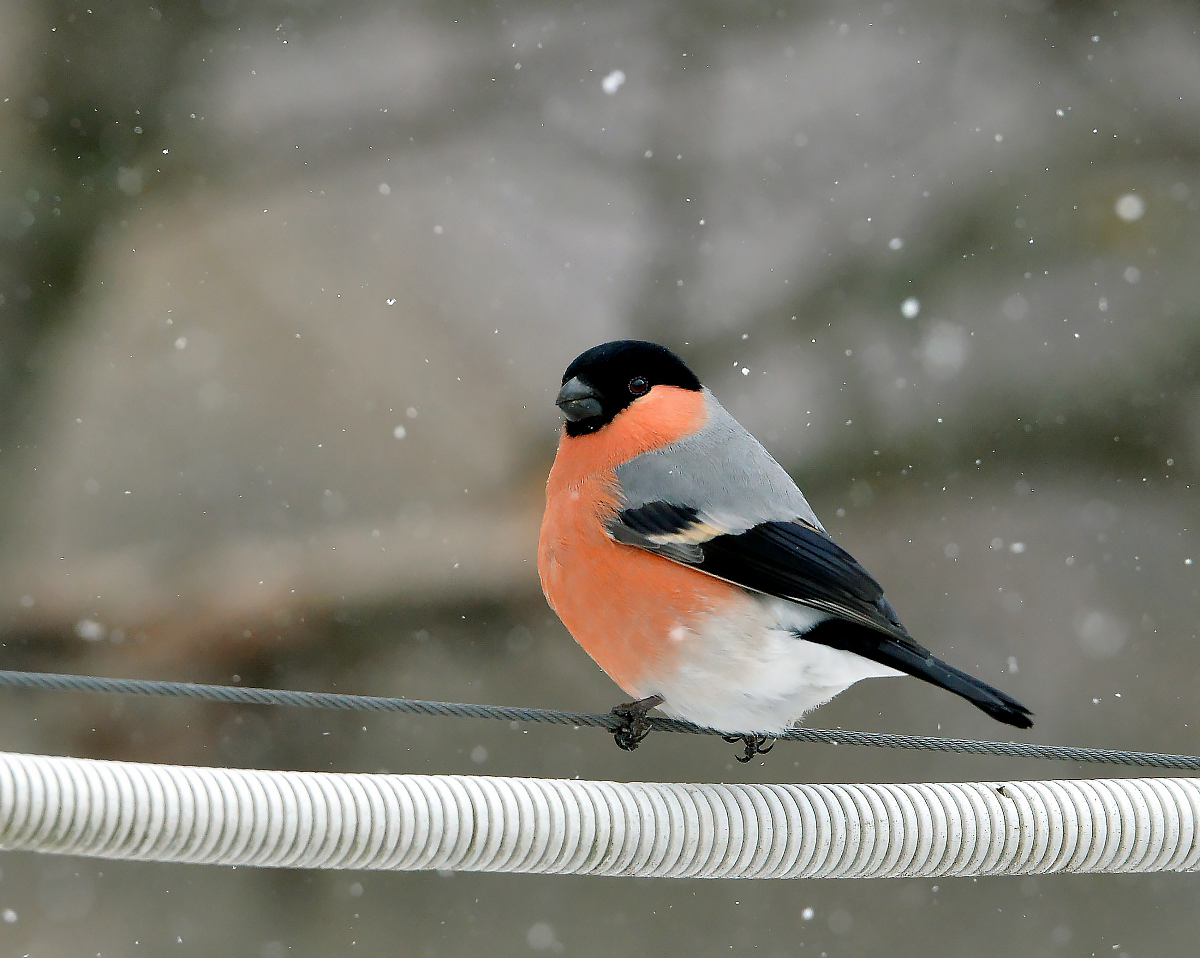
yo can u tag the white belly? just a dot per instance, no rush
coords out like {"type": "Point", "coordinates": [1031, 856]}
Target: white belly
{"type": "Point", "coordinates": [748, 672]}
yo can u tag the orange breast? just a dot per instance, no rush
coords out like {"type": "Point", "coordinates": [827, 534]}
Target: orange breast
{"type": "Point", "coordinates": [630, 610]}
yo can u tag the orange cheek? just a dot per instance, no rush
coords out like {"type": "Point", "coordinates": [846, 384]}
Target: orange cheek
{"type": "Point", "coordinates": [664, 415]}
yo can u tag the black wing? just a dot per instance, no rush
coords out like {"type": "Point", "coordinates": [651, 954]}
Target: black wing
{"type": "Point", "coordinates": [789, 560]}
{"type": "Point", "coordinates": [798, 562]}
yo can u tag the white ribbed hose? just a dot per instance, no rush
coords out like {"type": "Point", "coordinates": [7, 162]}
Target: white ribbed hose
{"type": "Point", "coordinates": [407, 822]}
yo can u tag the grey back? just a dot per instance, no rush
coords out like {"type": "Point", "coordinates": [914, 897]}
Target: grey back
{"type": "Point", "coordinates": [722, 471]}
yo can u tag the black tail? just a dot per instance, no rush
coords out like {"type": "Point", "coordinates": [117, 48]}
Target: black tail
{"type": "Point", "coordinates": [1001, 707]}
{"type": "Point", "coordinates": [902, 653]}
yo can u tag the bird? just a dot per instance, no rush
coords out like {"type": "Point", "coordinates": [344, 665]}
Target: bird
{"type": "Point", "coordinates": [688, 564]}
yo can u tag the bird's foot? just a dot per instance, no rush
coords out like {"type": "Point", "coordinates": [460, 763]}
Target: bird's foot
{"type": "Point", "coordinates": [629, 734]}
{"type": "Point", "coordinates": [754, 744]}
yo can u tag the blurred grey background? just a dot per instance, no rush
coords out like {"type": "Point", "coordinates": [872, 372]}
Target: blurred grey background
{"type": "Point", "coordinates": [286, 290]}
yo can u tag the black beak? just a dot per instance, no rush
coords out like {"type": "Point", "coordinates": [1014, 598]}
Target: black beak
{"type": "Point", "coordinates": [577, 400]}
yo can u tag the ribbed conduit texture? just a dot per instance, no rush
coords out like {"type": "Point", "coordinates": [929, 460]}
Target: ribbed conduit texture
{"type": "Point", "coordinates": [164, 813]}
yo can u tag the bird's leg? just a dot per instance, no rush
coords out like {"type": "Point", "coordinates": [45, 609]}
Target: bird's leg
{"type": "Point", "coordinates": [754, 745]}
{"type": "Point", "coordinates": [630, 733]}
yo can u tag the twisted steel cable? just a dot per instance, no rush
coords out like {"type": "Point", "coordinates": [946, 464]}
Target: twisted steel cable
{"type": "Point", "coordinates": [373, 703]}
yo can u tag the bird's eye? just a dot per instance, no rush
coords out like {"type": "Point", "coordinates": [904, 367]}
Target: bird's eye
{"type": "Point", "coordinates": [638, 385]}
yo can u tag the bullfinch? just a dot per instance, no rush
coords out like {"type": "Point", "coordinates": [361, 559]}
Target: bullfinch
{"type": "Point", "coordinates": [689, 566]}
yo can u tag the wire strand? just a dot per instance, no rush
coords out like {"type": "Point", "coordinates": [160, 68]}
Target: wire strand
{"type": "Point", "coordinates": [230, 694]}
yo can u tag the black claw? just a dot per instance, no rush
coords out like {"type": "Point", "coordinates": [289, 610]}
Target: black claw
{"type": "Point", "coordinates": [634, 728]}
{"type": "Point", "coordinates": [754, 745]}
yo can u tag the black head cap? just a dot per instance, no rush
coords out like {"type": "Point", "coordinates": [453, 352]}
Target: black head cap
{"type": "Point", "coordinates": [606, 379]}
